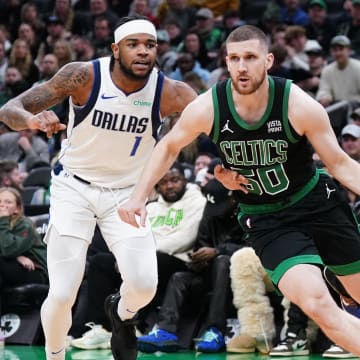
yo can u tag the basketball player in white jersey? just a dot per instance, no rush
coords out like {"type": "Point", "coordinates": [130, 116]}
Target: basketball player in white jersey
{"type": "Point", "coordinates": [115, 108]}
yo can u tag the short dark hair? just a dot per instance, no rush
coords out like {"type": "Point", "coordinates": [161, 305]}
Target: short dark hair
{"type": "Point", "coordinates": [179, 167]}
{"type": "Point", "coordinates": [247, 32]}
{"type": "Point", "coordinates": [126, 19]}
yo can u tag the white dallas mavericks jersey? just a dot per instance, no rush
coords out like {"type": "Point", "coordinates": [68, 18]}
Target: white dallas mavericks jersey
{"type": "Point", "coordinates": [110, 138]}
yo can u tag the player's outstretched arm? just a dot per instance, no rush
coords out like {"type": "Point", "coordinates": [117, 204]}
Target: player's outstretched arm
{"type": "Point", "coordinates": [29, 109]}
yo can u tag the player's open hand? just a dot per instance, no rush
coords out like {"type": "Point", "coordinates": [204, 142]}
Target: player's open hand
{"type": "Point", "coordinates": [232, 180]}
{"type": "Point", "coordinates": [46, 121]}
{"type": "Point", "coordinates": [133, 213]}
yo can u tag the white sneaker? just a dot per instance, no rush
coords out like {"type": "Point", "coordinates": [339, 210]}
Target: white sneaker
{"type": "Point", "coordinates": [335, 351]}
{"type": "Point", "coordinates": [96, 338]}
{"type": "Point", "coordinates": [292, 345]}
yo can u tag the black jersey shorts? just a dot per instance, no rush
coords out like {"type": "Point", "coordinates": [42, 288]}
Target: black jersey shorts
{"type": "Point", "coordinates": [319, 229]}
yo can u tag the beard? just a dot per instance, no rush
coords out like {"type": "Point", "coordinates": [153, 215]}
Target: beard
{"type": "Point", "coordinates": [130, 74]}
{"type": "Point", "coordinates": [252, 88]}
{"type": "Point", "coordinates": [175, 195]}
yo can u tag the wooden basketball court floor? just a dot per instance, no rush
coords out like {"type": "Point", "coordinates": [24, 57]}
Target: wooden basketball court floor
{"type": "Point", "coordinates": [25, 352]}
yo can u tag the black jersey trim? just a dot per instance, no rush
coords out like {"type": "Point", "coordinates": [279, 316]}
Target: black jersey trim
{"type": "Point", "coordinates": [289, 201]}
{"type": "Point", "coordinates": [285, 113]}
{"type": "Point", "coordinates": [264, 117]}
{"type": "Point", "coordinates": [216, 123]}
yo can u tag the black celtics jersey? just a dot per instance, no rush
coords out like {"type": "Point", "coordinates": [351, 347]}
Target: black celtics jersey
{"type": "Point", "coordinates": [273, 157]}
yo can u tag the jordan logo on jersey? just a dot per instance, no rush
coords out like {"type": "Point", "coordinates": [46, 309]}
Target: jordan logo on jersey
{"type": "Point", "coordinates": [328, 191]}
{"type": "Point", "coordinates": [226, 127]}
{"type": "Point", "coordinates": [274, 126]}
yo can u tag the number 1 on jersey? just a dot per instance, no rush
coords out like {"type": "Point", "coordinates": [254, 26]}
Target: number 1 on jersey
{"type": "Point", "coordinates": [136, 145]}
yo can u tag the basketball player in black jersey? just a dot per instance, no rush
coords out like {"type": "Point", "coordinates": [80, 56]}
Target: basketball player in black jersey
{"type": "Point", "coordinates": [294, 215]}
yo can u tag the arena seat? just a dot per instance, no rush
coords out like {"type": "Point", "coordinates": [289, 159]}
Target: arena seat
{"type": "Point", "coordinates": [20, 320]}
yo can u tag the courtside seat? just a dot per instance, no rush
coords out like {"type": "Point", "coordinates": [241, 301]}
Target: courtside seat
{"type": "Point", "coordinates": [20, 320]}
{"type": "Point", "coordinates": [24, 295]}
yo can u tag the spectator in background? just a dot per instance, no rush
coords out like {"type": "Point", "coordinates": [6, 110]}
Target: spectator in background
{"type": "Point", "coordinates": [22, 253]}
{"type": "Point", "coordinates": [153, 5]}
{"type": "Point", "coordinates": [209, 34]}
{"type": "Point", "coordinates": [230, 21]}
{"type": "Point", "coordinates": [179, 10]}
{"type": "Point", "coordinates": [173, 28]}
{"type": "Point", "coordinates": [55, 31]}
{"type": "Point", "coordinates": [14, 84]}
{"type": "Point", "coordinates": [28, 33]}
{"type": "Point", "coordinates": [5, 38]}
{"type": "Point", "coordinates": [218, 66]}
{"type": "Point", "coordinates": [11, 176]}
{"type": "Point", "coordinates": [83, 48]}
{"type": "Point", "coordinates": [270, 18]}
{"type": "Point", "coordinates": [201, 165]}
{"type": "Point", "coordinates": [317, 62]}
{"type": "Point", "coordinates": [174, 219]}
{"type": "Point", "coordinates": [101, 8]}
{"type": "Point", "coordinates": [31, 15]}
{"type": "Point", "coordinates": [278, 34]}
{"type": "Point", "coordinates": [219, 236]}
{"type": "Point", "coordinates": [303, 78]}
{"type": "Point", "coordinates": [63, 10]}
{"type": "Point", "coordinates": [278, 68]}
{"type": "Point", "coordinates": [344, 17]}
{"type": "Point", "coordinates": [102, 36]}
{"type": "Point", "coordinates": [166, 56]}
{"type": "Point", "coordinates": [20, 57]}
{"type": "Point", "coordinates": [320, 27]}
{"type": "Point", "coordinates": [193, 44]}
{"type": "Point", "coordinates": [295, 39]}
{"type": "Point", "coordinates": [48, 67]}
{"type": "Point", "coordinates": [24, 147]}
{"type": "Point", "coordinates": [63, 52]}
{"type": "Point", "coordinates": [350, 141]}
{"type": "Point", "coordinates": [291, 13]}
{"type": "Point", "coordinates": [3, 65]}
{"type": "Point", "coordinates": [340, 80]}
{"type": "Point", "coordinates": [195, 81]}
{"type": "Point", "coordinates": [141, 7]}
{"type": "Point", "coordinates": [186, 63]}
{"type": "Point", "coordinates": [351, 27]}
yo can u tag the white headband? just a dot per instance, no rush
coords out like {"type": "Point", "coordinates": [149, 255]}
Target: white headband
{"type": "Point", "coordinates": [134, 27]}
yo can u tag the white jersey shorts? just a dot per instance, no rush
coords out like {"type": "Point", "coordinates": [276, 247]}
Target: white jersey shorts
{"type": "Point", "coordinates": [76, 207]}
